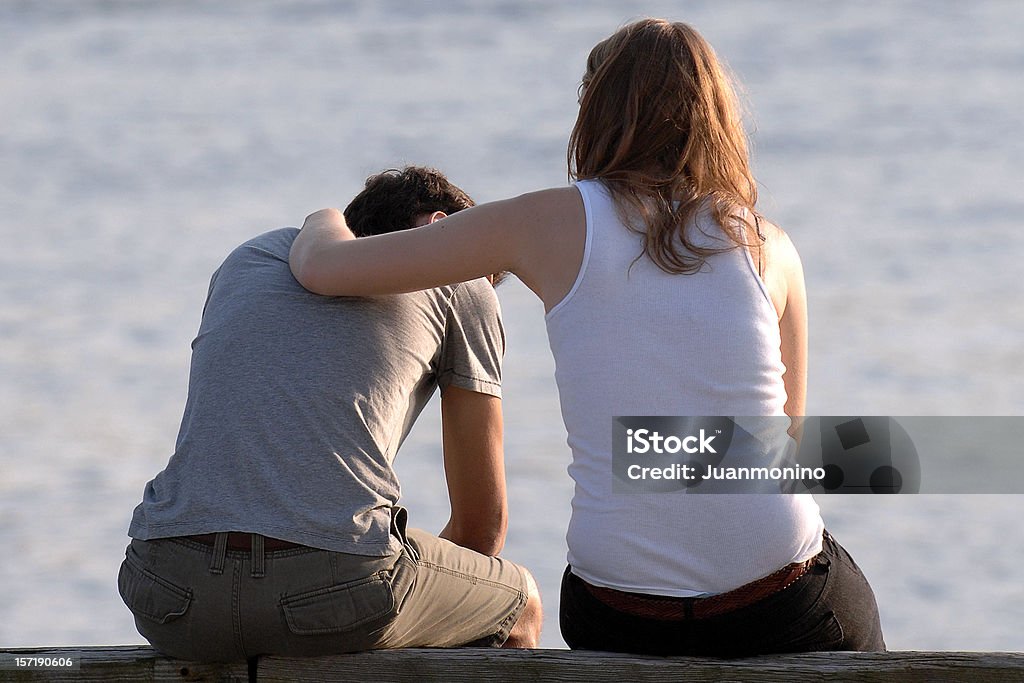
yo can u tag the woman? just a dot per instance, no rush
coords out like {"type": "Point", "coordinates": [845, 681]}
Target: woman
{"type": "Point", "coordinates": [666, 294]}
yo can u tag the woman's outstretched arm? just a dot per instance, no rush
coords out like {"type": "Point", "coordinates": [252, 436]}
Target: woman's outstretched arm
{"type": "Point", "coordinates": [327, 258]}
{"type": "Point", "coordinates": [538, 236]}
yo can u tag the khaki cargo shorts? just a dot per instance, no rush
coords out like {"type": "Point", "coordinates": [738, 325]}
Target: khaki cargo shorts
{"type": "Point", "coordinates": [197, 602]}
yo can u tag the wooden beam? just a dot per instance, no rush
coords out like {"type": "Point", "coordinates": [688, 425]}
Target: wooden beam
{"type": "Point", "coordinates": [473, 665]}
{"type": "Point", "coordinates": [470, 665]}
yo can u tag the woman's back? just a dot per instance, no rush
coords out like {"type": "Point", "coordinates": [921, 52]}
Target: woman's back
{"type": "Point", "coordinates": [632, 340]}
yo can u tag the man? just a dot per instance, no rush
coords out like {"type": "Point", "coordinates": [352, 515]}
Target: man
{"type": "Point", "coordinates": [275, 528]}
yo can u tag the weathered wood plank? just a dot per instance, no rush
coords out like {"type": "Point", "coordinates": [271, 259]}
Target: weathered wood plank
{"type": "Point", "coordinates": [472, 665]}
{"type": "Point", "coordinates": [119, 663]}
{"type": "Point", "coordinates": [129, 663]}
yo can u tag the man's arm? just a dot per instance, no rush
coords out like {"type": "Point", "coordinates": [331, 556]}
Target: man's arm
{"type": "Point", "coordinates": [474, 465]}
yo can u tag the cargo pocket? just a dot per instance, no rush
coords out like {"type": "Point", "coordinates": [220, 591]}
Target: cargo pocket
{"type": "Point", "coordinates": [340, 608]}
{"type": "Point", "coordinates": [149, 596]}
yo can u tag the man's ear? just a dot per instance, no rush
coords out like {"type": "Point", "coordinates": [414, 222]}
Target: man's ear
{"type": "Point", "coordinates": [436, 216]}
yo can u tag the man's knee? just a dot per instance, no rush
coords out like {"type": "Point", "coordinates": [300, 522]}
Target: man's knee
{"type": "Point", "coordinates": [526, 632]}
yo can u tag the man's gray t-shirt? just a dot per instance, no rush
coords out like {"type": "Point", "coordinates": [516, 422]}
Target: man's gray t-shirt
{"type": "Point", "coordinates": [297, 403]}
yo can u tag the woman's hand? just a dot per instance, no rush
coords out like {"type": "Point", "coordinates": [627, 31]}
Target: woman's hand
{"type": "Point", "coordinates": [321, 228]}
{"type": "Point", "coordinates": [328, 221]}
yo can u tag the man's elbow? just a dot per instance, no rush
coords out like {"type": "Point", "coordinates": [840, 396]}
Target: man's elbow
{"type": "Point", "coordinates": [495, 536]}
{"type": "Point", "coordinates": [482, 533]}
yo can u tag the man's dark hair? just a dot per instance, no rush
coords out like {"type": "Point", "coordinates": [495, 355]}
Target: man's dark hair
{"type": "Point", "coordinates": [392, 200]}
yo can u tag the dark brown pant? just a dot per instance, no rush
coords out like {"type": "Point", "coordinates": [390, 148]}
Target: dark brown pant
{"type": "Point", "coordinates": [830, 607]}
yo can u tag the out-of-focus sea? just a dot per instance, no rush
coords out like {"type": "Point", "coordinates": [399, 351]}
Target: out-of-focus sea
{"type": "Point", "coordinates": [141, 141]}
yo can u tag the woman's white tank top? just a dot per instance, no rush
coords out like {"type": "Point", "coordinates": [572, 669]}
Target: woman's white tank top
{"type": "Point", "coordinates": [631, 341]}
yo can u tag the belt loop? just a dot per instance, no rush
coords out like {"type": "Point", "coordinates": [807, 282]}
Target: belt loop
{"type": "Point", "coordinates": [220, 550]}
{"type": "Point", "coordinates": [688, 608]}
{"type": "Point", "coordinates": [258, 557]}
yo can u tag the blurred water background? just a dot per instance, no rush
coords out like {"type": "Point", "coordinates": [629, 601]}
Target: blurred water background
{"type": "Point", "coordinates": [141, 141]}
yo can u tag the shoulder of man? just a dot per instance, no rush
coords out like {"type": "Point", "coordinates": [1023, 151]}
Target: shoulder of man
{"type": "Point", "coordinates": [475, 305]}
{"type": "Point", "coordinates": [473, 343]}
{"type": "Point", "coordinates": [475, 296]}
{"type": "Point", "coordinates": [277, 241]}
{"type": "Point", "coordinates": [273, 243]}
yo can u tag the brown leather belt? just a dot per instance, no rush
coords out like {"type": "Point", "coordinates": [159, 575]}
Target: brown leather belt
{"type": "Point", "coordinates": [238, 540]}
{"type": "Point", "coordinates": [668, 608]}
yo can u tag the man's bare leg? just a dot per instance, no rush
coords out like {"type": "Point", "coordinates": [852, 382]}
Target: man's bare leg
{"type": "Point", "coordinates": [526, 632]}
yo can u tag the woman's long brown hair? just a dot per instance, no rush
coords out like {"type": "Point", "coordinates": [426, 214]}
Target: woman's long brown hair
{"type": "Point", "coordinates": [659, 124]}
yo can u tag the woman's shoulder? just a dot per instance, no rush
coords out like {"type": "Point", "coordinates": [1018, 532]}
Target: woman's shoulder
{"type": "Point", "coordinates": [783, 271]}
{"type": "Point", "coordinates": [550, 238]}
{"type": "Point", "coordinates": [566, 196]}
{"type": "Point", "coordinates": [778, 246]}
